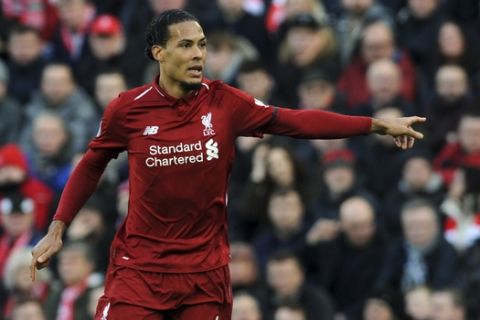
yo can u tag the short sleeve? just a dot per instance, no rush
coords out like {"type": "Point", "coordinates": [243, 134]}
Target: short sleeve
{"type": "Point", "coordinates": [111, 133]}
{"type": "Point", "coordinates": [250, 115]}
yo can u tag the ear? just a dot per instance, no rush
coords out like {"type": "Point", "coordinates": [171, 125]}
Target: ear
{"type": "Point", "coordinates": [158, 53]}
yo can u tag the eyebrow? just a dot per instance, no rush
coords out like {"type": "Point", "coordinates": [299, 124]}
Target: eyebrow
{"type": "Point", "coordinates": [190, 40]}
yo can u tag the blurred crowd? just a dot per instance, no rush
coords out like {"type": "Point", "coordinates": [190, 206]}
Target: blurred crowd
{"type": "Point", "coordinates": [322, 229]}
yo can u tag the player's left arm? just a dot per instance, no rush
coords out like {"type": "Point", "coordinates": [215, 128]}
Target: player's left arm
{"type": "Point", "coordinates": [318, 124]}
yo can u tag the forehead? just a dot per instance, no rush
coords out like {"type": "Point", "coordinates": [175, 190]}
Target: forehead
{"type": "Point", "coordinates": [188, 30]}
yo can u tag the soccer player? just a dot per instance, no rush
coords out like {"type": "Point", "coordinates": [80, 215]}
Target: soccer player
{"type": "Point", "coordinates": [170, 257]}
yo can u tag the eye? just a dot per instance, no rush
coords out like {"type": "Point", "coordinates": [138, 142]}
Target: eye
{"type": "Point", "coordinates": [185, 45]}
{"type": "Point", "coordinates": [202, 44]}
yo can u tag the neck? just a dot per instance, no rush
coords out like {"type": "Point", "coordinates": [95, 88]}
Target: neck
{"type": "Point", "coordinates": [173, 88]}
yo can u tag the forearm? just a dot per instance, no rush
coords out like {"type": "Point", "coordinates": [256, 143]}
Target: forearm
{"type": "Point", "coordinates": [81, 184]}
{"type": "Point", "coordinates": [317, 124]}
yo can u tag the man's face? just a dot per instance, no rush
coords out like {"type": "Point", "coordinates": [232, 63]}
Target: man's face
{"type": "Point", "coordinates": [257, 83]}
{"type": "Point", "coordinates": [469, 134]}
{"type": "Point", "coordinates": [420, 226]}
{"type": "Point", "coordinates": [377, 43]}
{"type": "Point", "coordinates": [24, 48]}
{"type": "Point", "coordinates": [57, 84]}
{"type": "Point", "coordinates": [285, 277]}
{"type": "Point", "coordinates": [443, 307]}
{"type": "Point", "coordinates": [74, 267]}
{"type": "Point", "coordinates": [107, 87]}
{"type": "Point", "coordinates": [49, 135]}
{"type": "Point", "coordinates": [183, 57]}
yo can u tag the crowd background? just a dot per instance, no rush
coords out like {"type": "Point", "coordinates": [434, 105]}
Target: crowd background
{"type": "Point", "coordinates": [322, 229]}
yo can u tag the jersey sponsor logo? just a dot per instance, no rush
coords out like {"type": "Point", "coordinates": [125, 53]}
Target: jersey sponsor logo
{"type": "Point", "coordinates": [150, 130]}
{"type": "Point", "coordinates": [181, 154]}
{"type": "Point", "coordinates": [260, 103]}
{"type": "Point", "coordinates": [212, 149]}
{"type": "Point", "coordinates": [207, 123]}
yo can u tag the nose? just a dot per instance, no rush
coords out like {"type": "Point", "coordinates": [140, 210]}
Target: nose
{"type": "Point", "coordinates": [198, 53]}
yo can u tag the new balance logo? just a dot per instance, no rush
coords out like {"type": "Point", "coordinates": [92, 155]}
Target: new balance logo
{"type": "Point", "coordinates": [212, 149]}
{"type": "Point", "coordinates": [150, 130]}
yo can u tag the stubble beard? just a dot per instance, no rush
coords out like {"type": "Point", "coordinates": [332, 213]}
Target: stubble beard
{"type": "Point", "coordinates": [188, 86]}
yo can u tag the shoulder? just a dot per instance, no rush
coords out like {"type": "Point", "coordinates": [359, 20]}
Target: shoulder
{"type": "Point", "coordinates": [228, 92]}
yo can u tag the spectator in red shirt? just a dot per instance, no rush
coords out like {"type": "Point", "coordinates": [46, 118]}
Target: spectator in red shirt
{"type": "Point", "coordinates": [179, 130]}
{"type": "Point", "coordinates": [378, 42]}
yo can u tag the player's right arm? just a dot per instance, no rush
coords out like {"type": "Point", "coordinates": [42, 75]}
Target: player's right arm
{"type": "Point", "coordinates": [82, 183]}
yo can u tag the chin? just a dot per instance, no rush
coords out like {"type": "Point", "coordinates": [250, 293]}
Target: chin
{"type": "Point", "coordinates": [188, 86]}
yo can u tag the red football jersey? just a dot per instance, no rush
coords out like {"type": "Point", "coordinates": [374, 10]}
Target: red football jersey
{"type": "Point", "coordinates": [180, 152]}
{"type": "Point", "coordinates": [180, 155]}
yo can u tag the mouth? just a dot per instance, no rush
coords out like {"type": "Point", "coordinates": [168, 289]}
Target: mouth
{"type": "Point", "coordinates": [195, 71]}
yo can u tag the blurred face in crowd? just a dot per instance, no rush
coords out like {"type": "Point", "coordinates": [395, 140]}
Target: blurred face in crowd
{"type": "Point", "coordinates": [295, 7]}
{"type": "Point", "coordinates": [285, 313]}
{"type": "Point", "coordinates": [280, 167]}
{"type": "Point", "coordinates": [377, 43]}
{"type": "Point", "coordinates": [87, 222]}
{"type": "Point", "coordinates": [384, 81]}
{"type": "Point", "coordinates": [469, 133]}
{"type": "Point", "coordinates": [17, 222]}
{"type": "Point", "coordinates": [316, 94]}
{"type": "Point", "coordinates": [57, 84]}
{"type": "Point", "coordinates": [357, 221]}
{"type": "Point", "coordinates": [422, 9]}
{"type": "Point", "coordinates": [257, 83]}
{"type": "Point", "coordinates": [306, 44]}
{"type": "Point", "coordinates": [245, 307]}
{"type": "Point", "coordinates": [24, 47]}
{"type": "Point", "coordinates": [420, 226]}
{"type": "Point", "coordinates": [219, 58]}
{"type": "Point", "coordinates": [72, 13]}
{"type": "Point", "coordinates": [231, 6]}
{"type": "Point", "coordinates": [160, 6]}
{"type": "Point", "coordinates": [356, 7]}
{"type": "Point", "coordinates": [451, 40]}
{"type": "Point", "coordinates": [285, 277]}
{"type": "Point", "coordinates": [108, 86]}
{"type": "Point", "coordinates": [74, 266]}
{"type": "Point", "coordinates": [107, 46]}
{"type": "Point", "coordinates": [286, 212]}
{"type": "Point", "coordinates": [243, 267]}
{"type": "Point", "coordinates": [49, 135]}
{"type": "Point", "coordinates": [377, 309]}
{"type": "Point", "coordinates": [444, 308]}
{"type": "Point", "coordinates": [417, 172]}
{"type": "Point", "coordinates": [11, 174]}
{"type": "Point", "coordinates": [339, 178]}
{"type": "Point", "coordinates": [28, 311]}
{"type": "Point", "coordinates": [451, 83]}
{"type": "Point", "coordinates": [419, 303]}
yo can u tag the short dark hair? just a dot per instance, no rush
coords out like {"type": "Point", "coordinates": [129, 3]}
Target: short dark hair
{"type": "Point", "coordinates": [157, 31]}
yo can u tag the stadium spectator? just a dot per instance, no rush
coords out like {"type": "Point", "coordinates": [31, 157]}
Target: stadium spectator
{"type": "Point", "coordinates": [286, 278]}
{"type": "Point", "coordinates": [15, 177]}
{"type": "Point", "coordinates": [10, 110]}
{"type": "Point", "coordinates": [29, 309]}
{"type": "Point", "coordinates": [418, 303]}
{"type": "Point", "coordinates": [108, 85]}
{"type": "Point", "coordinates": [355, 17]}
{"type": "Point", "coordinates": [306, 44]}
{"type": "Point", "coordinates": [246, 307]}
{"type": "Point", "coordinates": [348, 265]}
{"type": "Point", "coordinates": [289, 312]}
{"type": "Point", "coordinates": [423, 256]}
{"type": "Point", "coordinates": [464, 152]}
{"type": "Point", "coordinates": [448, 303]}
{"type": "Point", "coordinates": [69, 298]}
{"type": "Point", "coordinates": [61, 95]}
{"type": "Point", "coordinates": [69, 44]}
{"type": "Point", "coordinates": [451, 100]}
{"type": "Point", "coordinates": [384, 82]}
{"type": "Point", "coordinates": [379, 306]}
{"type": "Point", "coordinates": [17, 226]}
{"type": "Point", "coordinates": [18, 285]}
{"type": "Point", "coordinates": [25, 62]}
{"type": "Point", "coordinates": [286, 212]}
{"type": "Point", "coordinates": [377, 43]}
{"type": "Point", "coordinates": [418, 180]}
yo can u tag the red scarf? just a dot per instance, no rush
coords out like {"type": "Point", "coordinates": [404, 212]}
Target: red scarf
{"type": "Point", "coordinates": [66, 309]}
{"type": "Point", "coordinates": [7, 245]}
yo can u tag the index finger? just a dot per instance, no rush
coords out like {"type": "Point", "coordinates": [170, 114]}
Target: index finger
{"type": "Point", "coordinates": [33, 268]}
{"type": "Point", "coordinates": [414, 134]}
{"type": "Point", "coordinates": [416, 119]}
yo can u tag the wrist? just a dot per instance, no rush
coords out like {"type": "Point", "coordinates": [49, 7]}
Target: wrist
{"type": "Point", "coordinates": [378, 126]}
{"type": "Point", "coordinates": [57, 228]}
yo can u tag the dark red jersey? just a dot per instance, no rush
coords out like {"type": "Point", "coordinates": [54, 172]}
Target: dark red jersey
{"type": "Point", "coordinates": [180, 155]}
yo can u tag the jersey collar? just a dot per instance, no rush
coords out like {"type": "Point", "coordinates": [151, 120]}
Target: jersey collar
{"type": "Point", "coordinates": [171, 101]}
